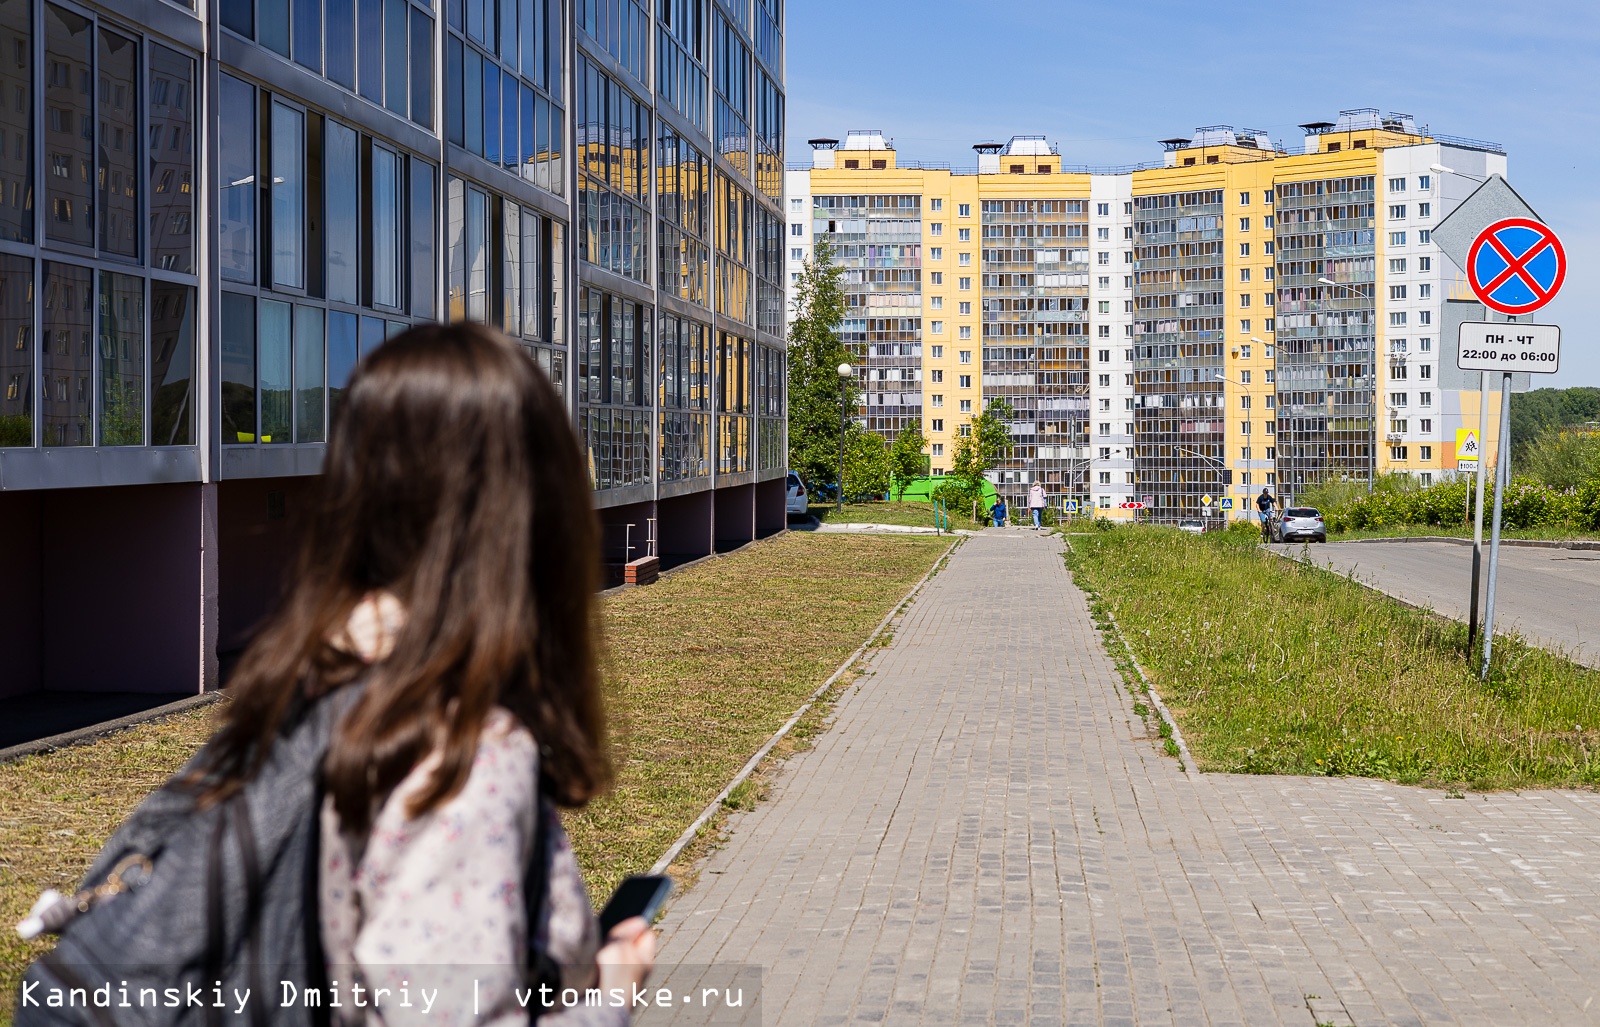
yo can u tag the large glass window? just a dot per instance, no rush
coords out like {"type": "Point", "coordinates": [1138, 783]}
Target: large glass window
{"type": "Point", "coordinates": [288, 196]}
{"type": "Point", "coordinates": [342, 184]}
{"type": "Point", "coordinates": [67, 356]}
{"type": "Point", "coordinates": [274, 349]}
{"type": "Point", "coordinates": [477, 263]}
{"type": "Point", "coordinates": [340, 41]}
{"type": "Point", "coordinates": [308, 33]}
{"type": "Point", "coordinates": [343, 352]}
{"type": "Point", "coordinates": [121, 360]}
{"type": "Point", "coordinates": [16, 350]}
{"type": "Point", "coordinates": [385, 227]}
{"type": "Point", "coordinates": [394, 56]}
{"type": "Point", "coordinates": [309, 378]}
{"type": "Point", "coordinates": [171, 160]}
{"type": "Point", "coordinates": [238, 344]}
{"type": "Point", "coordinates": [511, 267]}
{"type": "Point", "coordinates": [421, 68]}
{"type": "Point", "coordinates": [236, 207]}
{"type": "Point", "coordinates": [16, 122]}
{"type": "Point", "coordinates": [369, 49]}
{"type": "Point", "coordinates": [172, 369]}
{"type": "Point", "coordinates": [421, 224]}
{"type": "Point", "coordinates": [69, 135]}
{"type": "Point", "coordinates": [532, 300]}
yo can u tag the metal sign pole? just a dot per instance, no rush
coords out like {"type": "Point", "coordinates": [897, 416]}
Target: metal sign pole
{"type": "Point", "coordinates": [1502, 481]}
{"type": "Point", "coordinates": [1477, 526]}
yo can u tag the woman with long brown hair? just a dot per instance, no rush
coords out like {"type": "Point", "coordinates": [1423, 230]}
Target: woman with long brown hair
{"type": "Point", "coordinates": [449, 574]}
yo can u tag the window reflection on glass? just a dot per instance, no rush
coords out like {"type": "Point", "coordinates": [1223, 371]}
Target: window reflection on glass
{"type": "Point", "coordinates": [67, 356]}
{"type": "Point", "coordinates": [455, 227]}
{"type": "Point", "coordinates": [16, 122]}
{"type": "Point", "coordinates": [371, 334]}
{"type": "Point", "coordinates": [236, 207]}
{"type": "Point", "coordinates": [369, 49]}
{"type": "Point", "coordinates": [171, 160]}
{"type": "Point", "coordinates": [511, 268]}
{"type": "Point", "coordinates": [288, 196]}
{"type": "Point", "coordinates": [477, 260]}
{"type": "Point", "coordinates": [69, 128]}
{"type": "Point", "coordinates": [238, 344]}
{"type": "Point", "coordinates": [394, 56]}
{"type": "Point", "coordinates": [340, 41]}
{"type": "Point", "coordinates": [423, 214]}
{"type": "Point", "coordinates": [385, 227]}
{"type": "Point", "coordinates": [309, 379]}
{"type": "Point", "coordinates": [343, 352]}
{"type": "Point", "coordinates": [121, 360]}
{"type": "Point", "coordinates": [172, 359]}
{"type": "Point", "coordinates": [274, 350]}
{"type": "Point", "coordinates": [341, 177]}
{"type": "Point", "coordinates": [16, 350]}
{"type": "Point", "coordinates": [421, 68]}
{"type": "Point", "coordinates": [532, 320]}
{"type": "Point", "coordinates": [308, 33]}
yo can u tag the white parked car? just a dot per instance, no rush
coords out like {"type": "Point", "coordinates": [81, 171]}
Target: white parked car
{"type": "Point", "coordinates": [796, 504]}
{"type": "Point", "coordinates": [1193, 527]}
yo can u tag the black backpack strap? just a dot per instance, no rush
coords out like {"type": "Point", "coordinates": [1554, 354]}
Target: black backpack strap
{"type": "Point", "coordinates": [541, 969]}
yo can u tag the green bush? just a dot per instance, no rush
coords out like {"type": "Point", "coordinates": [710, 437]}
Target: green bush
{"type": "Point", "coordinates": [958, 494]}
{"type": "Point", "coordinates": [1528, 504]}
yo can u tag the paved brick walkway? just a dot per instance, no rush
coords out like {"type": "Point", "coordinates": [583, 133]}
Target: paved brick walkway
{"type": "Point", "coordinates": [986, 835]}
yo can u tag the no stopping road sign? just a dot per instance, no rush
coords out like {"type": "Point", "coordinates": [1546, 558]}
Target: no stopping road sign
{"type": "Point", "coordinates": [1516, 266]}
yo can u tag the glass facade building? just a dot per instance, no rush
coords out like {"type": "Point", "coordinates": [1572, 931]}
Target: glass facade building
{"type": "Point", "coordinates": [205, 225]}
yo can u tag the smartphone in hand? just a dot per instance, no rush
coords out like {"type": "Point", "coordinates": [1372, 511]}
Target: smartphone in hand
{"type": "Point", "coordinates": [641, 895]}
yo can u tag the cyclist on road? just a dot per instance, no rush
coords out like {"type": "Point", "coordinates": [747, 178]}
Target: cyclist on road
{"type": "Point", "coordinates": [1264, 504]}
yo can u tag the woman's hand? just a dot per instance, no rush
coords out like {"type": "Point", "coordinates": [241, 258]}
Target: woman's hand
{"type": "Point", "coordinates": [628, 955]}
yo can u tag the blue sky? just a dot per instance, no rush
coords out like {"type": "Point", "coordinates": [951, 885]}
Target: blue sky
{"type": "Point", "coordinates": [1104, 81]}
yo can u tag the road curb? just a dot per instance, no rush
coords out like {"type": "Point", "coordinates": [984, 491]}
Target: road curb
{"type": "Point", "coordinates": [1527, 543]}
{"type": "Point", "coordinates": [94, 732]}
{"type": "Point", "coordinates": [750, 766]}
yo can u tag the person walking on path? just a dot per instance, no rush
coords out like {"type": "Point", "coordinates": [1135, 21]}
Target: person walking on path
{"type": "Point", "coordinates": [998, 511]}
{"type": "Point", "coordinates": [1036, 504]}
{"type": "Point", "coordinates": [1264, 505]}
{"type": "Point", "coordinates": [448, 576]}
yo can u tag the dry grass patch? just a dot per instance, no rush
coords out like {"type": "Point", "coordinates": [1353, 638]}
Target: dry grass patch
{"type": "Point", "coordinates": [702, 668]}
{"type": "Point", "coordinates": [706, 665]}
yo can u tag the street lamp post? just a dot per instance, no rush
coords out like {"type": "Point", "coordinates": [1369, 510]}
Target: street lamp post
{"type": "Point", "coordinates": [1372, 388]}
{"type": "Point", "coordinates": [1245, 388]}
{"type": "Point", "coordinates": [845, 371]}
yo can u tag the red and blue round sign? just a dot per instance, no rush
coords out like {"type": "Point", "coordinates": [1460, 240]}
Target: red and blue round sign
{"type": "Point", "coordinates": [1516, 266]}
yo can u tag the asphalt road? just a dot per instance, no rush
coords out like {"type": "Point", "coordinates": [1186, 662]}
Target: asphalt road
{"type": "Point", "coordinates": [1552, 596]}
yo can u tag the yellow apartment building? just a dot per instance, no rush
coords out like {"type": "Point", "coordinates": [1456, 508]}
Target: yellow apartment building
{"type": "Point", "coordinates": [1178, 334]}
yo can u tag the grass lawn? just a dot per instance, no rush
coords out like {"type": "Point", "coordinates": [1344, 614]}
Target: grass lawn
{"type": "Point", "coordinates": [909, 512]}
{"type": "Point", "coordinates": [702, 667]}
{"type": "Point", "coordinates": [1272, 666]}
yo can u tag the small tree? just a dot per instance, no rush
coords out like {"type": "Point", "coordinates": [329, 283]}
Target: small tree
{"type": "Point", "coordinates": [815, 354]}
{"type": "Point", "coordinates": [866, 463]}
{"type": "Point", "coordinates": [988, 442]}
{"type": "Point", "coordinates": [906, 459]}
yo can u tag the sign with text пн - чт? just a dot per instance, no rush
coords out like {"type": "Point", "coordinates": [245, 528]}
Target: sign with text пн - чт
{"type": "Point", "coordinates": [1484, 346]}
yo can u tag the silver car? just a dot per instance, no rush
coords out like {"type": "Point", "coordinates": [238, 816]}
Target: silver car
{"type": "Point", "coordinates": [1300, 523]}
{"type": "Point", "coordinates": [1193, 527]}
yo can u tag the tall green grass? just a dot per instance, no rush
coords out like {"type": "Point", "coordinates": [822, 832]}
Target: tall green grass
{"type": "Point", "coordinates": [1276, 667]}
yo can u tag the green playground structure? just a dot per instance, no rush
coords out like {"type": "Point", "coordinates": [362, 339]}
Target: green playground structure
{"type": "Point", "coordinates": [921, 489]}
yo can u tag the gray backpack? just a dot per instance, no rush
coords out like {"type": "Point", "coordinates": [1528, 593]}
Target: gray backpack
{"type": "Point", "coordinates": [184, 906]}
{"type": "Point", "coordinates": [185, 909]}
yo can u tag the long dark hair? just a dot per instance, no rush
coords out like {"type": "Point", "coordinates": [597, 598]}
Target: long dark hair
{"type": "Point", "coordinates": [452, 479]}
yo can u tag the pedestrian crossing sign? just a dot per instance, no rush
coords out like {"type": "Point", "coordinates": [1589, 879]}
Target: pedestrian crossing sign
{"type": "Point", "coordinates": [1227, 502]}
{"type": "Point", "coordinates": [1070, 505]}
{"type": "Point", "coordinates": [1466, 446]}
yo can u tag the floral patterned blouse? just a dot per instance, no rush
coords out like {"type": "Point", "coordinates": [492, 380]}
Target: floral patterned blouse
{"type": "Point", "coordinates": [432, 909]}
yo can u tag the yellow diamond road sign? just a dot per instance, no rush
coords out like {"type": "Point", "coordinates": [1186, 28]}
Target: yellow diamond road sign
{"type": "Point", "coordinates": [1466, 446]}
